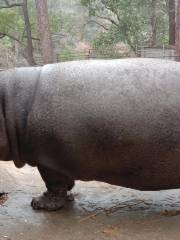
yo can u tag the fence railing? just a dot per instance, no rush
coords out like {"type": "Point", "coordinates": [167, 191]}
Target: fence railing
{"type": "Point", "coordinates": [88, 54]}
{"type": "Point", "coordinates": [163, 51]}
{"type": "Point", "coordinates": [116, 53]}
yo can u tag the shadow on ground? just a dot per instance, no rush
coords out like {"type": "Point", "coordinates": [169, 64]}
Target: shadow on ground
{"type": "Point", "coordinates": [100, 211]}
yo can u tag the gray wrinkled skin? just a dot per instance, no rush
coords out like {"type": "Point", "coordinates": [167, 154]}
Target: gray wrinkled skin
{"type": "Point", "coordinates": [116, 121]}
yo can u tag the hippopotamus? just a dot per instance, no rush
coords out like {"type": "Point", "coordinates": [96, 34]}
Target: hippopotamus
{"type": "Point", "coordinates": [115, 121]}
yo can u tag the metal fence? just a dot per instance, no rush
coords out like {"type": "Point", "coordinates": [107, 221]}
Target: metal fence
{"type": "Point", "coordinates": [163, 52]}
{"type": "Point", "coordinates": [88, 54]}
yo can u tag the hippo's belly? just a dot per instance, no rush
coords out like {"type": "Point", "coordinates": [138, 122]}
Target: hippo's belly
{"type": "Point", "coordinates": [135, 156]}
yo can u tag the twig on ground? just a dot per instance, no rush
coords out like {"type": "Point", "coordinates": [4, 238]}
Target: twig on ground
{"type": "Point", "coordinates": [89, 217]}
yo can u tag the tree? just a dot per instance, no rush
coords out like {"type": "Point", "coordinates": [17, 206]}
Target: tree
{"type": "Point", "coordinates": [5, 28]}
{"type": "Point", "coordinates": [178, 30]}
{"type": "Point", "coordinates": [131, 21]}
{"type": "Point", "coordinates": [171, 8]}
{"type": "Point", "coordinates": [28, 32]}
{"type": "Point", "coordinates": [44, 33]}
{"type": "Point", "coordinates": [124, 20]}
{"type": "Point", "coordinates": [153, 19]}
{"type": "Point", "coordinates": [157, 17]}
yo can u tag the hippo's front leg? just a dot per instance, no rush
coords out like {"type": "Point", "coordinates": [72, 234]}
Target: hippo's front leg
{"type": "Point", "coordinates": [57, 191]}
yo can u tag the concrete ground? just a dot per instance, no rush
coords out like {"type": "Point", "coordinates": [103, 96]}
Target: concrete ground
{"type": "Point", "coordinates": [100, 211]}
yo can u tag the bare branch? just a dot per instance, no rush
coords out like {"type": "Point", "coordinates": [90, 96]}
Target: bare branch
{"type": "Point", "coordinates": [33, 38]}
{"type": "Point", "coordinates": [101, 25]}
{"type": "Point", "coordinates": [108, 19]}
{"type": "Point", "coordinates": [8, 5]}
{"type": "Point", "coordinates": [113, 10]}
{"type": "Point", "coordinates": [36, 39]}
{"type": "Point", "coordinates": [2, 35]}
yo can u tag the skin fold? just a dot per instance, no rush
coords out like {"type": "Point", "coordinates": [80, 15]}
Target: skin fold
{"type": "Point", "coordinates": [116, 121]}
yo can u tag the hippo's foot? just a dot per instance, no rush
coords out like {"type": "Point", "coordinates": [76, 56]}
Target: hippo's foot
{"type": "Point", "coordinates": [51, 201]}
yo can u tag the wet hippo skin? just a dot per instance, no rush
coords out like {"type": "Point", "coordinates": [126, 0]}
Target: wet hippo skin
{"type": "Point", "coordinates": [116, 121]}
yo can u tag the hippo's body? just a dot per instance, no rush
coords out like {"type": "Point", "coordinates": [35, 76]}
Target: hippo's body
{"type": "Point", "coordinates": [116, 121]}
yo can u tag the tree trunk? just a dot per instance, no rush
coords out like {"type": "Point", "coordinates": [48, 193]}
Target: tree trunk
{"type": "Point", "coordinates": [45, 38]}
{"type": "Point", "coordinates": [153, 23]}
{"type": "Point", "coordinates": [30, 57]}
{"type": "Point", "coordinates": [178, 30]}
{"type": "Point", "coordinates": [172, 22]}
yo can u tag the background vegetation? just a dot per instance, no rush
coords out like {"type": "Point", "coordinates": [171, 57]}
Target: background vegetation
{"type": "Point", "coordinates": [77, 26]}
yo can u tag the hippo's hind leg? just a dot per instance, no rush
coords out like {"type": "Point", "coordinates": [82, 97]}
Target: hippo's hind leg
{"type": "Point", "coordinates": [58, 187]}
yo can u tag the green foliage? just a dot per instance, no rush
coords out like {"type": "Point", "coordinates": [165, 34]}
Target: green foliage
{"type": "Point", "coordinates": [163, 31]}
{"type": "Point", "coordinates": [65, 27]}
{"type": "Point", "coordinates": [68, 55]}
{"type": "Point", "coordinates": [62, 23]}
{"type": "Point", "coordinates": [33, 18]}
{"type": "Point", "coordinates": [9, 20]}
{"type": "Point", "coordinates": [12, 24]}
{"type": "Point", "coordinates": [128, 21]}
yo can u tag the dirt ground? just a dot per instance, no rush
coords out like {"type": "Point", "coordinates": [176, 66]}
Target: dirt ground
{"type": "Point", "coordinates": [100, 211]}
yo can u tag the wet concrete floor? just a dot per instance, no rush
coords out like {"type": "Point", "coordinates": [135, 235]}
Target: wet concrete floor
{"type": "Point", "coordinates": [100, 211]}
